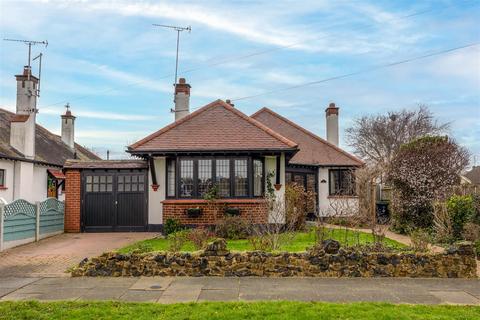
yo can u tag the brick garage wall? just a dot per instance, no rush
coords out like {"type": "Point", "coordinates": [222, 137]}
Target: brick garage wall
{"type": "Point", "coordinates": [72, 201]}
{"type": "Point", "coordinates": [251, 210]}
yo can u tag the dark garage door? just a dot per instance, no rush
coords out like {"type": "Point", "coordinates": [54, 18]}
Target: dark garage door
{"type": "Point", "coordinates": [114, 200]}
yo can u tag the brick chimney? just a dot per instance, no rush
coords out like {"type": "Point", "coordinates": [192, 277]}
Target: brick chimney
{"type": "Point", "coordinates": [68, 128]}
{"type": "Point", "coordinates": [182, 99]}
{"type": "Point", "coordinates": [331, 114]}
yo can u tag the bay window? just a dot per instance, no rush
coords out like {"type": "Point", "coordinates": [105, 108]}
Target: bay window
{"type": "Point", "coordinates": [192, 177]}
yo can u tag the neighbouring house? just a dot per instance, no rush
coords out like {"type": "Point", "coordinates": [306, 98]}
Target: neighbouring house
{"type": "Point", "coordinates": [217, 145]}
{"type": "Point", "coordinates": [473, 176]}
{"type": "Point", "coordinates": [31, 157]}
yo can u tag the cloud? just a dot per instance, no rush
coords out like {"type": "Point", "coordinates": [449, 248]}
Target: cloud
{"type": "Point", "coordinates": [86, 113]}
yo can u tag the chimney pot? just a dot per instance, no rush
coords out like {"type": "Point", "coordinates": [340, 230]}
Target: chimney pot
{"type": "Point", "coordinates": [181, 81]}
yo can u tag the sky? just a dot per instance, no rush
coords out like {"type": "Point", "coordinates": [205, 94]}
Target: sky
{"type": "Point", "coordinates": [116, 70]}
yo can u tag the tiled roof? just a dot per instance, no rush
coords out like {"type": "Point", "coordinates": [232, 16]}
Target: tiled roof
{"type": "Point", "coordinates": [216, 126]}
{"type": "Point", "coordinates": [106, 164]}
{"type": "Point", "coordinates": [49, 148]}
{"type": "Point", "coordinates": [313, 149]}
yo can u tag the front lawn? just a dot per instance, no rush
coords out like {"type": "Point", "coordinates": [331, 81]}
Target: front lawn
{"type": "Point", "coordinates": [231, 310]}
{"type": "Point", "coordinates": [301, 241]}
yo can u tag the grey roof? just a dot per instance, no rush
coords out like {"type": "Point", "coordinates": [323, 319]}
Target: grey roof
{"type": "Point", "coordinates": [49, 147]}
{"type": "Point", "coordinates": [474, 175]}
{"type": "Point", "coordinates": [106, 164]}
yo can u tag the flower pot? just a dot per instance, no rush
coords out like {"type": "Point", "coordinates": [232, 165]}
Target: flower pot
{"type": "Point", "coordinates": [155, 187]}
{"type": "Point", "coordinates": [194, 212]}
{"type": "Point", "coordinates": [277, 186]}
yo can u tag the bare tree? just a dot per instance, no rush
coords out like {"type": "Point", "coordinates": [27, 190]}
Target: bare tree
{"type": "Point", "coordinates": [376, 138]}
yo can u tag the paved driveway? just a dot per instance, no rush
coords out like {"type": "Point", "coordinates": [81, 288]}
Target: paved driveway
{"type": "Point", "coordinates": [52, 256]}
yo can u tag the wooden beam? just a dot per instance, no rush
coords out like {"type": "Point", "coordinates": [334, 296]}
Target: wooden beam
{"type": "Point", "coordinates": [152, 170]}
{"type": "Point", "coordinates": [277, 171]}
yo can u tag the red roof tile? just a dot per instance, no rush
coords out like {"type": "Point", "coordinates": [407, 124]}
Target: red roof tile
{"type": "Point", "coordinates": [216, 126]}
{"type": "Point", "coordinates": [313, 149]}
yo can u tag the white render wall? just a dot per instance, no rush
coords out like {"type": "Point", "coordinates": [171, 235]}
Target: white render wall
{"type": "Point", "coordinates": [271, 166]}
{"type": "Point", "coordinates": [328, 206]}
{"type": "Point", "coordinates": [155, 198]}
{"type": "Point", "coordinates": [9, 167]}
{"type": "Point", "coordinates": [25, 180]}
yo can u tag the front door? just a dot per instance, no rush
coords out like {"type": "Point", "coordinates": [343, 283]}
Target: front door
{"type": "Point", "coordinates": [114, 200]}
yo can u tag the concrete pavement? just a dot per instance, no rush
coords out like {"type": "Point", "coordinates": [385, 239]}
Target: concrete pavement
{"type": "Point", "coordinates": [53, 256]}
{"type": "Point", "coordinates": [185, 289]}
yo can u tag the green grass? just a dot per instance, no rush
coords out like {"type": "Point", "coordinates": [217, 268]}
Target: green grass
{"type": "Point", "coordinates": [301, 241]}
{"type": "Point", "coordinates": [231, 310]}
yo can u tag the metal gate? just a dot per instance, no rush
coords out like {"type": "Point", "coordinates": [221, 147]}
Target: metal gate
{"type": "Point", "coordinates": [114, 200]}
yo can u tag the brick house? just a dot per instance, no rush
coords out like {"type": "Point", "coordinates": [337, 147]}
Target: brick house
{"type": "Point", "coordinates": [217, 146]}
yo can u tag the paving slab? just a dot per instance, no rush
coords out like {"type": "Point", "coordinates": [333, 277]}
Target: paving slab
{"type": "Point", "coordinates": [455, 297]}
{"type": "Point", "coordinates": [103, 293]}
{"type": "Point", "coordinates": [180, 293]}
{"type": "Point", "coordinates": [16, 282]}
{"type": "Point", "coordinates": [152, 283]}
{"type": "Point", "coordinates": [219, 295]}
{"type": "Point", "coordinates": [67, 294]}
{"type": "Point", "coordinates": [141, 296]}
{"type": "Point", "coordinates": [209, 283]}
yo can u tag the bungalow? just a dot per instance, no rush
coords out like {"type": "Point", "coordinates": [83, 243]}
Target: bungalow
{"type": "Point", "coordinates": [31, 157]}
{"type": "Point", "coordinates": [217, 145]}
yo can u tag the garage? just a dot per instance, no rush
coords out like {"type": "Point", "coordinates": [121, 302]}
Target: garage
{"type": "Point", "coordinates": [113, 195]}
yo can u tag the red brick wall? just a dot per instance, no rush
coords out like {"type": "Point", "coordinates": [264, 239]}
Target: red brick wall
{"type": "Point", "coordinates": [72, 201]}
{"type": "Point", "coordinates": [252, 210]}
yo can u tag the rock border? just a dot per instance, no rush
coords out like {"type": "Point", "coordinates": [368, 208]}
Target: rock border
{"type": "Point", "coordinates": [325, 260]}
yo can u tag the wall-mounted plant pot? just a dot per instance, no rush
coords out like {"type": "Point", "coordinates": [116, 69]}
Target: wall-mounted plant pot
{"type": "Point", "coordinates": [277, 186]}
{"type": "Point", "coordinates": [155, 187]}
{"type": "Point", "coordinates": [194, 212]}
{"type": "Point", "coordinates": [232, 211]}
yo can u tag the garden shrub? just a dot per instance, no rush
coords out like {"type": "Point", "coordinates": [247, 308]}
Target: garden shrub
{"type": "Point", "coordinates": [420, 240]}
{"type": "Point", "coordinates": [232, 227]}
{"type": "Point", "coordinates": [471, 231]}
{"type": "Point", "coordinates": [477, 248]}
{"type": "Point", "coordinates": [422, 171]}
{"type": "Point", "coordinates": [172, 226]}
{"type": "Point", "coordinates": [177, 240]}
{"type": "Point", "coordinates": [461, 210]}
{"type": "Point", "coordinates": [298, 203]}
{"type": "Point", "coordinates": [260, 243]}
{"type": "Point", "coordinates": [199, 237]}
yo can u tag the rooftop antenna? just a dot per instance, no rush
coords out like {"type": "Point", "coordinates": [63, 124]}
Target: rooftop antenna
{"type": "Point", "coordinates": [39, 57]}
{"type": "Point", "coordinates": [29, 43]}
{"type": "Point", "coordinates": [178, 29]}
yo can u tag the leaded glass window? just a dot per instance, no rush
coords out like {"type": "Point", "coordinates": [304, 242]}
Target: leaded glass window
{"type": "Point", "coordinates": [171, 178]}
{"type": "Point", "coordinates": [204, 176]}
{"type": "Point", "coordinates": [186, 178]}
{"type": "Point", "coordinates": [222, 177]}
{"type": "Point", "coordinates": [241, 178]}
{"type": "Point", "coordinates": [257, 178]}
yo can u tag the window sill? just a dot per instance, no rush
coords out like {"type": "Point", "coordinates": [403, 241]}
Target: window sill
{"type": "Point", "coordinates": [342, 197]}
{"type": "Point", "coordinates": [200, 201]}
{"type": "Point", "coordinates": [3, 188]}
